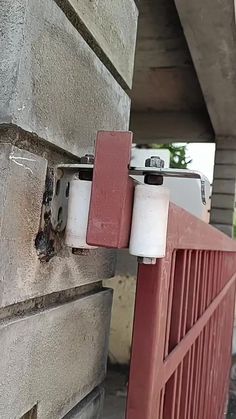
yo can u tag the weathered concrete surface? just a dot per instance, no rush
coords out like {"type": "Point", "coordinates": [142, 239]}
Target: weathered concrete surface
{"type": "Point", "coordinates": [22, 183]}
{"type": "Point", "coordinates": [224, 185]}
{"type": "Point", "coordinates": [22, 275]}
{"type": "Point", "coordinates": [51, 82]}
{"type": "Point", "coordinates": [113, 26]}
{"type": "Point", "coordinates": [115, 397]}
{"type": "Point", "coordinates": [159, 127]}
{"type": "Point", "coordinates": [227, 170]}
{"type": "Point", "coordinates": [124, 288]}
{"type": "Point", "coordinates": [90, 408]}
{"type": "Point", "coordinates": [54, 358]}
{"type": "Point", "coordinates": [167, 101]}
{"type": "Point", "coordinates": [222, 215]}
{"type": "Point", "coordinates": [223, 201]}
{"type": "Point", "coordinates": [211, 36]}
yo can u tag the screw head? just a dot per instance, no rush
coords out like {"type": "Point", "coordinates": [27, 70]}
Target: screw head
{"type": "Point", "coordinates": [87, 159]}
{"type": "Point", "coordinates": [155, 161]}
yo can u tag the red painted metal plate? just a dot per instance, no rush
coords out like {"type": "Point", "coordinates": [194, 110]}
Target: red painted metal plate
{"type": "Point", "coordinates": [112, 191]}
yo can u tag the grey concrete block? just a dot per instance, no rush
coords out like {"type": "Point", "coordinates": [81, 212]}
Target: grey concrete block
{"type": "Point", "coordinates": [113, 25]}
{"type": "Point", "coordinates": [226, 143]}
{"type": "Point", "coordinates": [224, 186]}
{"type": "Point", "coordinates": [54, 358]}
{"type": "Point", "coordinates": [226, 229]}
{"type": "Point", "coordinates": [214, 57]}
{"type": "Point", "coordinates": [226, 157]}
{"type": "Point", "coordinates": [225, 171]}
{"type": "Point", "coordinates": [22, 275]}
{"type": "Point", "coordinates": [234, 345]}
{"type": "Point", "coordinates": [90, 408]}
{"type": "Point", "coordinates": [51, 82]}
{"type": "Point", "coordinates": [22, 183]}
{"type": "Point", "coordinates": [222, 216]}
{"type": "Point", "coordinates": [223, 201]}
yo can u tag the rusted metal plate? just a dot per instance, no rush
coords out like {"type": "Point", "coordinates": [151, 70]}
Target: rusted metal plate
{"type": "Point", "coordinates": [112, 191]}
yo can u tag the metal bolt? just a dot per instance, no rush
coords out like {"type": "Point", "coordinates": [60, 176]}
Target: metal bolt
{"type": "Point", "coordinates": [85, 174]}
{"type": "Point", "coordinates": [87, 159]}
{"type": "Point", "coordinates": [155, 161]}
{"type": "Point", "coordinates": [154, 179]}
{"type": "Point", "coordinates": [147, 261]}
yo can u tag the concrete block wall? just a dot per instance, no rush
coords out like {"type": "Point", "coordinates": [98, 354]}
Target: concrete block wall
{"type": "Point", "coordinates": [223, 194]}
{"type": "Point", "coordinates": [56, 92]}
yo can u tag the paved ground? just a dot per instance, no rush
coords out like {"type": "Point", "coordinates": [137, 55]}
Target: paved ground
{"type": "Point", "coordinates": [116, 390]}
{"type": "Point", "coordinates": [232, 400]}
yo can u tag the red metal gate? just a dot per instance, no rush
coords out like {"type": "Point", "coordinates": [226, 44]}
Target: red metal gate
{"type": "Point", "coordinates": [184, 311]}
{"type": "Point", "coordinates": [183, 325]}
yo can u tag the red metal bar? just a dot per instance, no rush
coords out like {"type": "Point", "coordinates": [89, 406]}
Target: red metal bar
{"type": "Point", "coordinates": [112, 191]}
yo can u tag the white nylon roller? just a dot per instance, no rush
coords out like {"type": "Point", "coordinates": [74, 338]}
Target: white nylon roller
{"type": "Point", "coordinates": [78, 212]}
{"type": "Point", "coordinates": [149, 221]}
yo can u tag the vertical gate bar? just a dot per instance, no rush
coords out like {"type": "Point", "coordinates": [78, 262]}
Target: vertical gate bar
{"type": "Point", "coordinates": [174, 388]}
{"type": "Point", "coordinates": [206, 341]}
{"type": "Point", "coordinates": [210, 372]}
{"type": "Point", "coordinates": [220, 271]}
{"type": "Point", "coordinates": [199, 371]}
{"type": "Point", "coordinates": [197, 355]}
{"type": "Point", "coordinates": [227, 357]}
{"type": "Point", "coordinates": [220, 351]}
{"type": "Point", "coordinates": [213, 338]}
{"type": "Point", "coordinates": [227, 339]}
{"type": "Point", "coordinates": [161, 404]}
{"type": "Point", "coordinates": [203, 301]}
{"type": "Point", "coordinates": [203, 372]}
{"type": "Point", "coordinates": [206, 395]}
{"type": "Point", "coordinates": [178, 390]}
{"type": "Point", "coordinates": [201, 338]}
{"type": "Point", "coordinates": [211, 360]}
{"type": "Point", "coordinates": [170, 397]}
{"type": "Point", "coordinates": [215, 376]}
{"type": "Point", "coordinates": [185, 385]}
{"type": "Point", "coordinates": [190, 322]}
{"type": "Point", "coordinates": [209, 338]}
{"type": "Point", "coordinates": [170, 390]}
{"type": "Point", "coordinates": [178, 297]}
{"type": "Point", "coordinates": [224, 354]}
{"type": "Point", "coordinates": [219, 338]}
{"type": "Point", "coordinates": [214, 332]}
{"type": "Point", "coordinates": [186, 280]}
{"type": "Point", "coordinates": [216, 364]}
{"type": "Point", "coordinates": [216, 346]}
{"type": "Point", "coordinates": [148, 339]}
{"type": "Point", "coordinates": [186, 362]}
{"type": "Point", "coordinates": [170, 300]}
